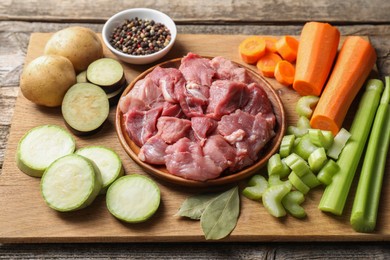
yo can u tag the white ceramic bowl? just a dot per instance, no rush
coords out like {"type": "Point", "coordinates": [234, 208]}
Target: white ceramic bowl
{"type": "Point", "coordinates": [142, 13]}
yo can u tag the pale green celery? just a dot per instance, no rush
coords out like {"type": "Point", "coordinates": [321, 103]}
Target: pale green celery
{"type": "Point", "coordinates": [336, 193]}
{"type": "Point", "coordinates": [304, 148]}
{"type": "Point", "coordinates": [301, 129]}
{"type": "Point", "coordinates": [310, 179]}
{"type": "Point", "coordinates": [256, 187]}
{"type": "Point", "coordinates": [286, 145]}
{"type": "Point", "coordinates": [298, 183]}
{"type": "Point", "coordinates": [276, 166]}
{"type": "Point", "coordinates": [321, 138]}
{"type": "Point", "coordinates": [297, 164]}
{"type": "Point", "coordinates": [366, 202]}
{"type": "Point", "coordinates": [272, 199]}
{"type": "Point", "coordinates": [327, 172]}
{"type": "Point", "coordinates": [292, 203]}
{"type": "Point", "coordinates": [317, 159]}
{"type": "Point", "coordinates": [328, 138]}
{"type": "Point", "coordinates": [275, 180]}
{"type": "Point", "coordinates": [305, 105]}
{"type": "Point", "coordinates": [340, 140]}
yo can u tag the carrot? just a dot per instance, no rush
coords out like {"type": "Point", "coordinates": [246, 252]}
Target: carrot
{"type": "Point", "coordinates": [353, 65]}
{"type": "Point", "coordinates": [266, 64]}
{"type": "Point", "coordinates": [252, 49]}
{"type": "Point", "coordinates": [270, 43]}
{"type": "Point", "coordinates": [284, 72]}
{"type": "Point", "coordinates": [316, 53]}
{"type": "Point", "coordinates": [287, 47]}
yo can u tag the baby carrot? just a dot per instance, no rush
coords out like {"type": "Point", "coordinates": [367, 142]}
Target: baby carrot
{"type": "Point", "coordinates": [266, 64]}
{"type": "Point", "coordinates": [353, 65]}
{"type": "Point", "coordinates": [252, 49]}
{"type": "Point", "coordinates": [284, 72]}
{"type": "Point", "coordinates": [287, 47]}
{"type": "Point", "coordinates": [317, 50]}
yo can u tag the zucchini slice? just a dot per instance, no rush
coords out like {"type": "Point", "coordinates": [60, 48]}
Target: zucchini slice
{"type": "Point", "coordinates": [106, 73]}
{"type": "Point", "coordinates": [85, 108]}
{"type": "Point", "coordinates": [133, 198]}
{"type": "Point", "coordinates": [108, 162]}
{"type": "Point", "coordinates": [70, 183]}
{"type": "Point", "coordinates": [41, 146]}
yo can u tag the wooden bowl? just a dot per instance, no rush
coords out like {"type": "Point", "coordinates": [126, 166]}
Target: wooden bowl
{"type": "Point", "coordinates": [161, 172]}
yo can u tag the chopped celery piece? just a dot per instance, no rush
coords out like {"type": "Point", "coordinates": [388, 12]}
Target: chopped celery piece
{"type": "Point", "coordinates": [304, 148]}
{"type": "Point", "coordinates": [328, 138]}
{"type": "Point", "coordinates": [325, 175]}
{"type": "Point", "coordinates": [339, 142]}
{"type": "Point", "coordinates": [297, 164]}
{"type": "Point", "coordinates": [297, 140]}
{"type": "Point", "coordinates": [298, 183]}
{"type": "Point", "coordinates": [317, 159]}
{"type": "Point", "coordinates": [310, 179]}
{"type": "Point", "coordinates": [318, 138]}
{"type": "Point", "coordinates": [305, 105]}
{"type": "Point", "coordinates": [336, 193]}
{"type": "Point", "coordinates": [275, 180]}
{"type": "Point", "coordinates": [277, 166]}
{"type": "Point", "coordinates": [256, 187]}
{"type": "Point", "coordinates": [292, 203]}
{"type": "Point", "coordinates": [286, 145]}
{"type": "Point", "coordinates": [365, 205]}
{"type": "Point", "coordinates": [302, 127]}
{"type": "Point", "coordinates": [272, 199]}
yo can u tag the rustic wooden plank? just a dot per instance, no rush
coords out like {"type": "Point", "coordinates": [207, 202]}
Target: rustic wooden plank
{"type": "Point", "coordinates": [44, 225]}
{"type": "Point", "coordinates": [204, 11]}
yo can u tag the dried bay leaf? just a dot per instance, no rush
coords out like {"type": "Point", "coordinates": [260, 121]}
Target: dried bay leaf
{"type": "Point", "coordinates": [194, 206]}
{"type": "Point", "coordinates": [220, 216]}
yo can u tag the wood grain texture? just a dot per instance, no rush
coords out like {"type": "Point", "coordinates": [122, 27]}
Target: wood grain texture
{"type": "Point", "coordinates": [205, 11]}
{"type": "Point", "coordinates": [26, 218]}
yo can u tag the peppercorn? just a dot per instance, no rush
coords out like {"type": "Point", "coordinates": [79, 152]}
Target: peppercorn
{"type": "Point", "coordinates": [140, 36]}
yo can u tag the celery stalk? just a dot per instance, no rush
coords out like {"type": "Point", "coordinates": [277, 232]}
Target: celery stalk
{"type": "Point", "coordinates": [365, 205]}
{"type": "Point", "coordinates": [336, 193]}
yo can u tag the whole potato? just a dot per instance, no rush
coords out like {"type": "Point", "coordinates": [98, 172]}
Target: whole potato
{"type": "Point", "coordinates": [80, 45]}
{"type": "Point", "coordinates": [46, 79]}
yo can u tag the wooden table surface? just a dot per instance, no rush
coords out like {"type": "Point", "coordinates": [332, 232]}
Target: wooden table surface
{"type": "Point", "coordinates": [18, 19]}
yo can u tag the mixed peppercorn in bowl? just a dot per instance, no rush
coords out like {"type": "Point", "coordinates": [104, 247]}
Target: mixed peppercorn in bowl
{"type": "Point", "coordinates": [139, 35]}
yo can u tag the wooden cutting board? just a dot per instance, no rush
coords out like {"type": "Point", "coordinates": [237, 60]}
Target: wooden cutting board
{"type": "Point", "coordinates": [24, 216]}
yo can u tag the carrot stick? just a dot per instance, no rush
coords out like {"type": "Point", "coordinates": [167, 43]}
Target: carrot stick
{"type": "Point", "coordinates": [353, 65]}
{"type": "Point", "coordinates": [252, 49]}
{"type": "Point", "coordinates": [316, 53]}
{"type": "Point", "coordinates": [284, 72]}
{"type": "Point", "coordinates": [266, 64]}
{"type": "Point", "coordinates": [287, 47]}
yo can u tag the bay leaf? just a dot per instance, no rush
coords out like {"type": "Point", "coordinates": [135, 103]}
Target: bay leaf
{"type": "Point", "coordinates": [194, 206]}
{"type": "Point", "coordinates": [220, 217]}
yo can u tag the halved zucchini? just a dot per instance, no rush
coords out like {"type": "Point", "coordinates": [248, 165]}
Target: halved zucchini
{"type": "Point", "coordinates": [41, 146]}
{"type": "Point", "coordinates": [108, 162]}
{"type": "Point", "coordinates": [133, 198]}
{"type": "Point", "coordinates": [70, 183]}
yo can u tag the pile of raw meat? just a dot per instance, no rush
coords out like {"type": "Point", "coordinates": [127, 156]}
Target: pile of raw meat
{"type": "Point", "coordinates": [202, 120]}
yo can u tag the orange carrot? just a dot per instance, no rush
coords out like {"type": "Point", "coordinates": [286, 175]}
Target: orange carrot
{"type": "Point", "coordinates": [284, 72]}
{"type": "Point", "coordinates": [252, 49]}
{"type": "Point", "coordinates": [270, 43]}
{"type": "Point", "coordinates": [266, 64]}
{"type": "Point", "coordinates": [316, 53]}
{"type": "Point", "coordinates": [353, 65]}
{"type": "Point", "coordinates": [287, 47]}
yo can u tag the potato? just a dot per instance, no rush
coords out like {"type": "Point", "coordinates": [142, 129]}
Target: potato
{"type": "Point", "coordinates": [80, 45]}
{"type": "Point", "coordinates": [46, 79]}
